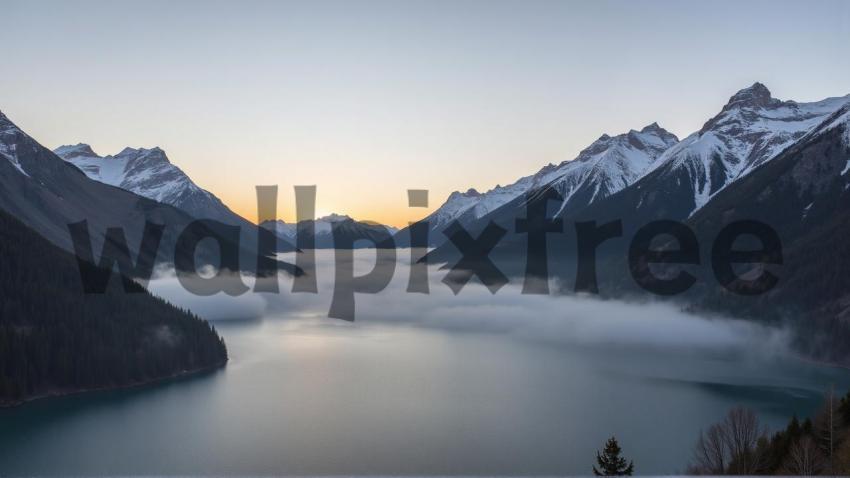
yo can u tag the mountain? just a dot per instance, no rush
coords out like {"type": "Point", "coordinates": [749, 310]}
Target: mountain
{"type": "Point", "coordinates": [791, 175]}
{"type": "Point", "coordinates": [48, 193]}
{"type": "Point", "coordinates": [55, 339]}
{"type": "Point", "coordinates": [608, 165]}
{"type": "Point", "coordinates": [750, 130]}
{"type": "Point", "coordinates": [745, 163]}
{"type": "Point", "coordinates": [782, 164]}
{"type": "Point", "coordinates": [804, 195]}
{"type": "Point", "coordinates": [323, 228]}
{"type": "Point", "coordinates": [643, 176]}
{"type": "Point", "coordinates": [149, 173]}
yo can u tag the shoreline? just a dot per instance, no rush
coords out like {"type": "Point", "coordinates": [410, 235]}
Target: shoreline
{"type": "Point", "coordinates": [65, 393]}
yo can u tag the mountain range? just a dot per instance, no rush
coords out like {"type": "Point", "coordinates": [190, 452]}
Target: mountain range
{"type": "Point", "coordinates": [649, 174]}
{"type": "Point", "coordinates": [149, 173]}
{"type": "Point", "coordinates": [783, 164]}
{"type": "Point", "coordinates": [606, 166]}
{"type": "Point", "coordinates": [752, 129]}
{"type": "Point", "coordinates": [48, 194]}
{"type": "Point", "coordinates": [347, 229]}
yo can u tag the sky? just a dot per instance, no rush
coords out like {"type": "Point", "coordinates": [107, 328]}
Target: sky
{"type": "Point", "coordinates": [368, 99]}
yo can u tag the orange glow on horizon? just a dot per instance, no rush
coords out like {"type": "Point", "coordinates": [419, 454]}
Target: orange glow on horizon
{"type": "Point", "coordinates": [397, 215]}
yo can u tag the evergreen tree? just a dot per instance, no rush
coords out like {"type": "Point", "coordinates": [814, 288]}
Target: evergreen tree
{"type": "Point", "coordinates": [611, 463]}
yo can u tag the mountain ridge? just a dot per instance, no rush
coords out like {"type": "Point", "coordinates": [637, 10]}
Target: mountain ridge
{"type": "Point", "coordinates": [150, 173]}
{"type": "Point", "coordinates": [323, 237]}
{"type": "Point", "coordinates": [602, 168]}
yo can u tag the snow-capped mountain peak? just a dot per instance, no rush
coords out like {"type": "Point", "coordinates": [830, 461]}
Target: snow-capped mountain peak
{"type": "Point", "coordinates": [151, 154]}
{"type": "Point", "coordinates": [68, 152]}
{"type": "Point", "coordinates": [606, 166]}
{"type": "Point", "coordinates": [752, 128]}
{"type": "Point", "coordinates": [653, 127]}
{"type": "Point", "coordinates": [456, 204]}
{"type": "Point", "coordinates": [470, 193]}
{"type": "Point", "coordinates": [148, 172]}
{"type": "Point", "coordinates": [334, 217]}
{"type": "Point", "coordinates": [754, 96]}
{"type": "Point", "coordinates": [323, 228]}
{"type": "Point", "coordinates": [144, 171]}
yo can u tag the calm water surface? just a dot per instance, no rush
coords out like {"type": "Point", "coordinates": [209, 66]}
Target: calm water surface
{"type": "Point", "coordinates": [318, 397]}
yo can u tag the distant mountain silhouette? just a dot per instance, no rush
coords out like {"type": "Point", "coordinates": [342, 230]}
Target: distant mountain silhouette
{"type": "Point", "coordinates": [358, 233]}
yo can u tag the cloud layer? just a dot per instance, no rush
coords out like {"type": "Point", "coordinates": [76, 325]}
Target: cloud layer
{"type": "Point", "coordinates": [577, 320]}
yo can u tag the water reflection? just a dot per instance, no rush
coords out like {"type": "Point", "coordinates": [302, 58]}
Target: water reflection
{"type": "Point", "coordinates": [323, 397]}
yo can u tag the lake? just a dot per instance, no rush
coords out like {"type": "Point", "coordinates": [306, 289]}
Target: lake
{"type": "Point", "coordinates": [307, 395]}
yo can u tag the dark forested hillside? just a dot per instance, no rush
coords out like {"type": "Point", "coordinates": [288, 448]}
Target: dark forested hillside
{"type": "Point", "coordinates": [55, 339]}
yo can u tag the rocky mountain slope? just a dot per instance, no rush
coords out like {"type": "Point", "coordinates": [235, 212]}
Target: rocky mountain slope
{"type": "Point", "coordinates": [606, 166]}
{"type": "Point", "coordinates": [149, 173]}
{"type": "Point", "coordinates": [752, 129]}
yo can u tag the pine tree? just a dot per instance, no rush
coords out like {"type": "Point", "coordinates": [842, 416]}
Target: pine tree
{"type": "Point", "coordinates": [611, 463]}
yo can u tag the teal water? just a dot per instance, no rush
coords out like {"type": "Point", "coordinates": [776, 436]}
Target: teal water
{"type": "Point", "coordinates": [319, 397]}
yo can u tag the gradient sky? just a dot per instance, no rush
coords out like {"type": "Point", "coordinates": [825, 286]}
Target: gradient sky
{"type": "Point", "coordinates": [369, 99]}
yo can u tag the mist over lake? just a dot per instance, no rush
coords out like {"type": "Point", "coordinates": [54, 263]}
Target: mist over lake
{"type": "Point", "coordinates": [425, 384]}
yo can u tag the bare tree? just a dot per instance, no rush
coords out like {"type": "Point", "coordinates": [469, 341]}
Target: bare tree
{"type": "Point", "coordinates": [825, 425]}
{"type": "Point", "coordinates": [743, 432]}
{"type": "Point", "coordinates": [730, 446]}
{"type": "Point", "coordinates": [805, 458]}
{"type": "Point", "coordinates": [710, 453]}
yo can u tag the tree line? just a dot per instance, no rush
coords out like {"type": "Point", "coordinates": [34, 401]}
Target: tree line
{"type": "Point", "coordinates": [740, 445]}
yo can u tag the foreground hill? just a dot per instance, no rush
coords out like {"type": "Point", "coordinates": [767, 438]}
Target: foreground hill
{"type": "Point", "coordinates": [54, 339]}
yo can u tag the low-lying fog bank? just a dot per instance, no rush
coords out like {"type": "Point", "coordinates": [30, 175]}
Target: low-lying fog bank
{"type": "Point", "coordinates": [575, 320]}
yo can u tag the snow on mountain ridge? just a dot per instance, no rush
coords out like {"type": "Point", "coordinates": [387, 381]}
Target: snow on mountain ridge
{"type": "Point", "coordinates": [840, 118]}
{"type": "Point", "coordinates": [8, 149]}
{"type": "Point", "coordinates": [323, 226]}
{"type": "Point", "coordinates": [148, 172]}
{"type": "Point", "coordinates": [334, 217]}
{"type": "Point", "coordinates": [72, 151]}
{"type": "Point", "coordinates": [756, 95]}
{"type": "Point", "coordinates": [610, 163]}
{"type": "Point", "coordinates": [752, 128]}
